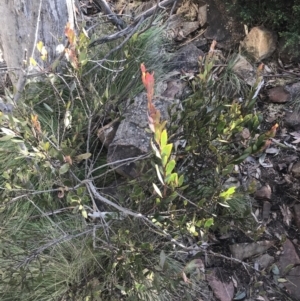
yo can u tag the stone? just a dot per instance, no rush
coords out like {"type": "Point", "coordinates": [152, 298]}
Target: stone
{"type": "Point", "coordinates": [216, 29]}
{"type": "Point", "coordinates": [288, 258]}
{"type": "Point", "coordinates": [292, 120]}
{"type": "Point", "coordinates": [179, 29]}
{"type": "Point", "coordinates": [132, 138]}
{"type": "Point", "coordinates": [296, 170]}
{"type": "Point", "coordinates": [107, 133]}
{"type": "Point", "coordinates": [265, 261]}
{"type": "Point", "coordinates": [246, 250]}
{"type": "Point", "coordinates": [259, 44]}
{"type": "Point", "coordinates": [202, 14]}
{"type": "Point", "coordinates": [244, 70]}
{"type": "Point", "coordinates": [200, 43]}
{"type": "Point", "coordinates": [278, 95]}
{"type": "Point", "coordinates": [293, 90]}
{"type": "Point", "coordinates": [187, 58]}
{"type": "Point", "coordinates": [263, 193]}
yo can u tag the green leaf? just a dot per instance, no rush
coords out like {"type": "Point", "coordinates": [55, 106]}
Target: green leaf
{"type": "Point", "coordinates": [180, 180]}
{"type": "Point", "coordinates": [157, 190]}
{"type": "Point", "coordinates": [227, 194]}
{"type": "Point", "coordinates": [172, 179]}
{"type": "Point", "coordinates": [47, 107]}
{"type": "Point", "coordinates": [209, 222]}
{"type": "Point", "coordinates": [17, 140]}
{"type": "Point", "coordinates": [64, 168]}
{"type": "Point", "coordinates": [163, 139]}
{"type": "Point", "coordinates": [170, 166]}
{"type": "Point", "coordinates": [166, 152]}
{"type": "Point", "coordinates": [241, 158]}
{"type": "Point", "coordinates": [227, 170]}
{"type": "Point", "coordinates": [82, 157]}
{"type": "Point", "coordinates": [7, 137]}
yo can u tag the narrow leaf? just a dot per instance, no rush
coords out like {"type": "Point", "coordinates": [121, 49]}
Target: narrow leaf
{"type": "Point", "coordinates": [82, 157]}
{"type": "Point", "coordinates": [8, 131]}
{"type": "Point", "coordinates": [159, 174]}
{"type": "Point", "coordinates": [157, 190]}
{"type": "Point", "coordinates": [163, 139]}
{"type": "Point", "coordinates": [6, 138]}
{"type": "Point", "coordinates": [162, 259]}
{"type": "Point", "coordinates": [155, 149]}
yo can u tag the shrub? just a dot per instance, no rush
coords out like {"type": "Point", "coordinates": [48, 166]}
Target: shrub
{"type": "Point", "coordinates": [278, 15]}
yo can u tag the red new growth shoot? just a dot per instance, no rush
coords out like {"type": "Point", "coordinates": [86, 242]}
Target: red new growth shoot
{"type": "Point", "coordinates": [148, 81]}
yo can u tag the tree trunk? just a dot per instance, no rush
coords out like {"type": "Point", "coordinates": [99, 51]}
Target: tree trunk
{"type": "Point", "coordinates": [27, 22]}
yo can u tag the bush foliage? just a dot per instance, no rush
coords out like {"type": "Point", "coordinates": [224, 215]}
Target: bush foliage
{"type": "Point", "coordinates": [278, 15]}
{"type": "Point", "coordinates": [54, 169]}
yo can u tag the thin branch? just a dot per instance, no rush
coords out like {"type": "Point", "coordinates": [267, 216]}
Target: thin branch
{"type": "Point", "coordinates": [113, 18]}
{"type": "Point", "coordinates": [119, 46]}
{"type": "Point", "coordinates": [129, 28]}
{"type": "Point", "coordinates": [126, 211]}
{"type": "Point", "coordinates": [123, 161]}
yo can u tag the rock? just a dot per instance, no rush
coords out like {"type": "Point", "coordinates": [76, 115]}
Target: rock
{"type": "Point", "coordinates": [296, 170]}
{"type": "Point", "coordinates": [278, 95]}
{"type": "Point", "coordinates": [245, 70]}
{"type": "Point", "coordinates": [246, 250]}
{"type": "Point", "coordinates": [259, 44]}
{"type": "Point", "coordinates": [200, 43]}
{"type": "Point", "coordinates": [132, 139]}
{"type": "Point", "coordinates": [263, 193]}
{"type": "Point", "coordinates": [292, 120]}
{"type": "Point", "coordinates": [288, 258]}
{"type": "Point", "coordinates": [293, 90]}
{"type": "Point", "coordinates": [179, 29]}
{"type": "Point", "coordinates": [107, 133]}
{"type": "Point", "coordinates": [216, 29]}
{"type": "Point", "coordinates": [265, 261]}
{"type": "Point", "coordinates": [187, 58]}
{"type": "Point", "coordinates": [223, 290]}
{"type": "Point", "coordinates": [297, 216]}
{"type": "Point", "coordinates": [202, 14]}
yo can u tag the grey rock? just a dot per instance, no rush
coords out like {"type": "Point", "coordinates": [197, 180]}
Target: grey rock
{"type": "Point", "coordinates": [187, 58]}
{"type": "Point", "coordinates": [216, 29]}
{"type": "Point", "coordinates": [132, 138]}
{"type": "Point", "coordinates": [265, 261]}
{"type": "Point", "coordinates": [244, 69]}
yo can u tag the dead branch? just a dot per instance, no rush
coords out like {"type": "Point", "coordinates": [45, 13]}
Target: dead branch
{"type": "Point", "coordinates": [128, 29]}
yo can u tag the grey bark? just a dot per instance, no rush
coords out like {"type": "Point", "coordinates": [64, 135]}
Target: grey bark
{"type": "Point", "coordinates": [26, 22]}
